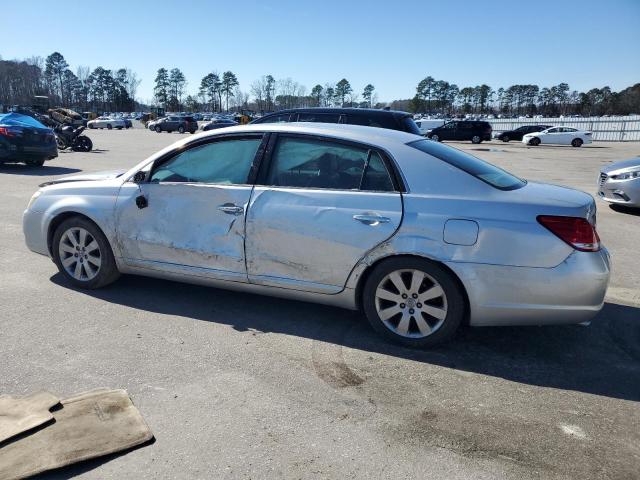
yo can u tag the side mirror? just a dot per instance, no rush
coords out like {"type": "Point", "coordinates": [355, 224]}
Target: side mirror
{"type": "Point", "coordinates": [139, 177]}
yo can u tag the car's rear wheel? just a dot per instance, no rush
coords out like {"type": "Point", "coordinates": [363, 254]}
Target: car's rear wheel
{"type": "Point", "coordinates": [435, 138]}
{"type": "Point", "coordinates": [83, 254]}
{"type": "Point", "coordinates": [576, 142]}
{"type": "Point", "coordinates": [535, 141]}
{"type": "Point", "coordinates": [505, 138]}
{"type": "Point", "coordinates": [35, 162]}
{"type": "Point", "coordinates": [476, 139]}
{"type": "Point", "coordinates": [413, 302]}
{"type": "Point", "coordinates": [158, 129]}
{"type": "Point", "coordinates": [109, 127]}
{"type": "Point", "coordinates": [180, 129]}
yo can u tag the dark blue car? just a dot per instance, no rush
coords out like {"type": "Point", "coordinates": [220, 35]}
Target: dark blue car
{"type": "Point", "coordinates": [25, 139]}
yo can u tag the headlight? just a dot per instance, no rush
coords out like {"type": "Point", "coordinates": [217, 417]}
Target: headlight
{"type": "Point", "coordinates": [627, 175]}
{"type": "Point", "coordinates": [33, 199]}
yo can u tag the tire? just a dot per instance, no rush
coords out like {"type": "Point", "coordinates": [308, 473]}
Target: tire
{"type": "Point", "coordinates": [91, 126]}
{"type": "Point", "coordinates": [35, 162]}
{"type": "Point", "coordinates": [75, 271]}
{"type": "Point", "coordinates": [193, 131]}
{"type": "Point", "coordinates": [505, 138]}
{"type": "Point", "coordinates": [476, 139]}
{"type": "Point", "coordinates": [576, 142]}
{"type": "Point", "coordinates": [445, 300]}
{"type": "Point", "coordinates": [180, 129]}
{"type": "Point", "coordinates": [158, 129]}
{"type": "Point", "coordinates": [435, 138]}
{"type": "Point", "coordinates": [534, 142]}
{"type": "Point", "coordinates": [83, 144]}
{"type": "Point", "coordinates": [109, 127]}
{"type": "Point", "coordinates": [119, 128]}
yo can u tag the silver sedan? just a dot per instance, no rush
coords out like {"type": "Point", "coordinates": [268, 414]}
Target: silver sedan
{"type": "Point", "coordinates": [619, 183]}
{"type": "Point", "coordinates": [419, 236]}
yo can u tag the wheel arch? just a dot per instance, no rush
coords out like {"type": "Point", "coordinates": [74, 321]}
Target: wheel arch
{"type": "Point", "coordinates": [362, 280]}
{"type": "Point", "coordinates": [61, 217]}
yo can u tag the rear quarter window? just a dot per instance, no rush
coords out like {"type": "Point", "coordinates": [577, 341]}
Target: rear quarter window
{"type": "Point", "coordinates": [484, 171]}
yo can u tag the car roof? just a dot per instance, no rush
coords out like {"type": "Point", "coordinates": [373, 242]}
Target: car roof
{"type": "Point", "coordinates": [381, 137]}
{"type": "Point", "coordinates": [340, 110]}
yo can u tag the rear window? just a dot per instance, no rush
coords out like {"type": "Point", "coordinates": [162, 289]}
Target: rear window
{"type": "Point", "coordinates": [410, 125]}
{"type": "Point", "coordinates": [494, 176]}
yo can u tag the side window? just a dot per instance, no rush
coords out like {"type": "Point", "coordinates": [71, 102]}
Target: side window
{"type": "Point", "coordinates": [553, 130]}
{"type": "Point", "coordinates": [381, 121]}
{"type": "Point", "coordinates": [376, 177]}
{"type": "Point", "coordinates": [275, 118]}
{"type": "Point", "coordinates": [319, 117]}
{"type": "Point", "coordinates": [300, 162]}
{"type": "Point", "coordinates": [224, 162]}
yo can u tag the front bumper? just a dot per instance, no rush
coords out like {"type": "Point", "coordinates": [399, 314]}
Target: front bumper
{"type": "Point", "coordinates": [34, 228]}
{"type": "Point", "coordinates": [623, 192]}
{"type": "Point", "coordinates": [572, 292]}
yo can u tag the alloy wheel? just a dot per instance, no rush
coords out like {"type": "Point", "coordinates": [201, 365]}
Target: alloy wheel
{"type": "Point", "coordinates": [411, 303]}
{"type": "Point", "coordinates": [80, 254]}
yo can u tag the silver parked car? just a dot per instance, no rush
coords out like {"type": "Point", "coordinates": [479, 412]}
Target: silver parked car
{"type": "Point", "coordinates": [420, 236]}
{"type": "Point", "coordinates": [619, 183]}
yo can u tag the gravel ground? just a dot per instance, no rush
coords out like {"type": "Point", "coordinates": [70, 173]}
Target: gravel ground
{"type": "Point", "coordinates": [243, 386]}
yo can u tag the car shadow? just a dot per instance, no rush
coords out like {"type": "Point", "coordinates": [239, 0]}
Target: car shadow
{"type": "Point", "coordinates": [602, 359]}
{"type": "Point", "coordinates": [33, 171]}
{"type": "Point", "coordinates": [625, 209]}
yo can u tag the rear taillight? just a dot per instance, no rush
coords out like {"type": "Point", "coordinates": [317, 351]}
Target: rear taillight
{"type": "Point", "coordinates": [575, 231]}
{"type": "Point", "coordinates": [10, 131]}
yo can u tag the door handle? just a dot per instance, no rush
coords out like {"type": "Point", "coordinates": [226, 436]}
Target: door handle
{"type": "Point", "coordinates": [231, 209]}
{"type": "Point", "coordinates": [371, 219]}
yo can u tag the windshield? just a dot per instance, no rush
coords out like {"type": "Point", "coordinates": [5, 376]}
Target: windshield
{"type": "Point", "coordinates": [494, 176]}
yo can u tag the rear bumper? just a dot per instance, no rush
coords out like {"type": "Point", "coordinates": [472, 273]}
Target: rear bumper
{"type": "Point", "coordinates": [572, 292]}
{"type": "Point", "coordinates": [14, 153]}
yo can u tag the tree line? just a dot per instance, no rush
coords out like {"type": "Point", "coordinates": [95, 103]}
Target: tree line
{"type": "Point", "coordinates": [99, 89]}
{"type": "Point", "coordinates": [103, 89]}
{"type": "Point", "coordinates": [441, 97]}
{"type": "Point", "coordinates": [218, 92]}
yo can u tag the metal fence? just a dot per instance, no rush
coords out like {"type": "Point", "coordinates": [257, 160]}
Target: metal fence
{"type": "Point", "coordinates": [604, 129]}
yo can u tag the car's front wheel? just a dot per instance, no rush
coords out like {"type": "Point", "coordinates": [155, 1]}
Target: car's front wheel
{"type": "Point", "coordinates": [83, 255]}
{"type": "Point", "coordinates": [535, 141]}
{"type": "Point", "coordinates": [413, 302]}
{"type": "Point", "coordinates": [180, 129]}
{"type": "Point", "coordinates": [435, 138]}
{"type": "Point", "coordinates": [576, 142]}
{"type": "Point", "coordinates": [476, 139]}
{"type": "Point", "coordinates": [158, 129]}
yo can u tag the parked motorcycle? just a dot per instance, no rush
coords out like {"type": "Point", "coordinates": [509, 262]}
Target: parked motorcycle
{"type": "Point", "coordinates": [69, 137]}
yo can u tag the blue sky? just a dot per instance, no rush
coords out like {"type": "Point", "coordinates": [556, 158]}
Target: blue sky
{"type": "Point", "coordinates": [392, 44]}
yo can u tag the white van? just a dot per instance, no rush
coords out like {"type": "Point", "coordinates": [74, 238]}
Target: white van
{"type": "Point", "coordinates": [425, 124]}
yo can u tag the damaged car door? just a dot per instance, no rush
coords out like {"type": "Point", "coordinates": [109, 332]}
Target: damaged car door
{"type": "Point", "coordinates": [187, 215]}
{"type": "Point", "coordinates": [319, 205]}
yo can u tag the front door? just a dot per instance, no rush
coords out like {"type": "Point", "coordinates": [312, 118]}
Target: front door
{"type": "Point", "coordinates": [321, 206]}
{"type": "Point", "coordinates": [193, 220]}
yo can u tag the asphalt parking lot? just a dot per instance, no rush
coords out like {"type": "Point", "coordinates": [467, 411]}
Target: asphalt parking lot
{"type": "Point", "coordinates": [242, 386]}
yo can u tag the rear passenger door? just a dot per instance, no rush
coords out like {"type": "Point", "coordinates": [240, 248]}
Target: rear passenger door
{"type": "Point", "coordinates": [319, 206]}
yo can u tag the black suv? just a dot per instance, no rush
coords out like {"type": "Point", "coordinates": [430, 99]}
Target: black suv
{"type": "Point", "coordinates": [369, 117]}
{"type": "Point", "coordinates": [473, 130]}
{"type": "Point", "coordinates": [520, 132]}
{"type": "Point", "coordinates": [175, 123]}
